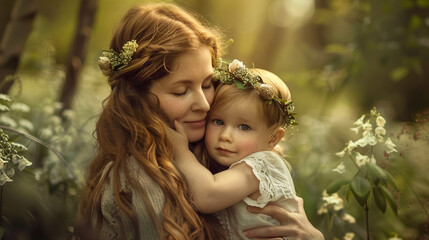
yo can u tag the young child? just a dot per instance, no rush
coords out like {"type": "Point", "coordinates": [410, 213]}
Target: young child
{"type": "Point", "coordinates": [247, 119]}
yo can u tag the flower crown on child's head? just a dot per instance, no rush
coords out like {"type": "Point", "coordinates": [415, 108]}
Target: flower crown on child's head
{"type": "Point", "coordinates": [236, 73]}
{"type": "Point", "coordinates": [113, 61]}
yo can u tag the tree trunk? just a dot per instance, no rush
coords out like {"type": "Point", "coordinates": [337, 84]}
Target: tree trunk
{"type": "Point", "coordinates": [14, 37]}
{"type": "Point", "coordinates": [6, 7]}
{"type": "Point", "coordinates": [78, 51]}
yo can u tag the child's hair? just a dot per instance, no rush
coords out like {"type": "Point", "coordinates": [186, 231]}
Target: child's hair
{"type": "Point", "coordinates": [131, 123]}
{"type": "Point", "coordinates": [227, 94]}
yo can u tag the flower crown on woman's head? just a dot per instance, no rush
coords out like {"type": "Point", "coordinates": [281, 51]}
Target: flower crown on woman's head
{"type": "Point", "coordinates": [236, 73]}
{"type": "Point", "coordinates": [113, 61]}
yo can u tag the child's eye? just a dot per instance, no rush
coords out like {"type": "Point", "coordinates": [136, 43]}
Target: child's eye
{"type": "Point", "coordinates": [182, 93]}
{"type": "Point", "coordinates": [218, 122]}
{"type": "Point", "coordinates": [244, 127]}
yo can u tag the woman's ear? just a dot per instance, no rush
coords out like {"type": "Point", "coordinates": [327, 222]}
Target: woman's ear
{"type": "Point", "coordinates": [276, 137]}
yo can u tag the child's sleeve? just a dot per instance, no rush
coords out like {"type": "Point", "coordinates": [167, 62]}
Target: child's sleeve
{"type": "Point", "coordinates": [275, 181]}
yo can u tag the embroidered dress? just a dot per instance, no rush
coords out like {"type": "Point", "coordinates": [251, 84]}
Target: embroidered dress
{"type": "Point", "coordinates": [275, 185]}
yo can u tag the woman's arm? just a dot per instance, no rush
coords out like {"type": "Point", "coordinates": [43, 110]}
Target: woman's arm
{"type": "Point", "coordinates": [292, 225]}
{"type": "Point", "coordinates": [211, 193]}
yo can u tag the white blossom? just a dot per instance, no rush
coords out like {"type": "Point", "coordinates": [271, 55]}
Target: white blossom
{"type": "Point", "coordinates": [380, 121]}
{"type": "Point", "coordinates": [367, 139]}
{"type": "Point", "coordinates": [367, 126]}
{"type": "Point", "coordinates": [48, 110]}
{"type": "Point", "coordinates": [24, 123]}
{"type": "Point", "coordinates": [380, 131]}
{"type": "Point", "coordinates": [330, 201]}
{"type": "Point", "coordinates": [361, 159]}
{"type": "Point", "coordinates": [355, 130]}
{"type": "Point", "coordinates": [395, 238]}
{"type": "Point", "coordinates": [4, 108]}
{"type": "Point", "coordinates": [349, 236]}
{"type": "Point", "coordinates": [359, 122]}
{"type": "Point", "coordinates": [2, 163]}
{"type": "Point", "coordinates": [20, 107]}
{"type": "Point", "coordinates": [390, 146]}
{"type": "Point", "coordinates": [4, 178]}
{"type": "Point", "coordinates": [69, 114]}
{"type": "Point", "coordinates": [342, 153]}
{"type": "Point", "coordinates": [349, 218]}
{"type": "Point", "coordinates": [23, 163]}
{"type": "Point", "coordinates": [341, 168]}
{"type": "Point", "coordinates": [234, 65]}
{"type": "Point", "coordinates": [350, 146]}
{"type": "Point", "coordinates": [18, 146]}
{"type": "Point", "coordinates": [5, 97]}
{"type": "Point", "coordinates": [10, 172]}
{"type": "Point", "coordinates": [5, 120]}
{"type": "Point", "coordinates": [16, 158]}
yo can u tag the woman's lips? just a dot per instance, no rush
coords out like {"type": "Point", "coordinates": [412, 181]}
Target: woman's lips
{"type": "Point", "coordinates": [196, 124]}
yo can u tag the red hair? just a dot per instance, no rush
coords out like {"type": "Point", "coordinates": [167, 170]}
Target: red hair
{"type": "Point", "coordinates": [131, 125]}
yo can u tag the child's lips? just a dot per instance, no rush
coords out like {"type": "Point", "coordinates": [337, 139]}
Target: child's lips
{"type": "Point", "coordinates": [224, 151]}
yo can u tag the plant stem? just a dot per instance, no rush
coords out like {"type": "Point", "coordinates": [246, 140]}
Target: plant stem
{"type": "Point", "coordinates": [367, 220]}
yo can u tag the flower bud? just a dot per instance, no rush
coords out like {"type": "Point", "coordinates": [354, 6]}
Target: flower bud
{"type": "Point", "coordinates": [266, 91]}
{"type": "Point", "coordinates": [234, 65]}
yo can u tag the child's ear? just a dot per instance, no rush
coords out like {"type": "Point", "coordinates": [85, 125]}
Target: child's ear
{"type": "Point", "coordinates": [276, 137]}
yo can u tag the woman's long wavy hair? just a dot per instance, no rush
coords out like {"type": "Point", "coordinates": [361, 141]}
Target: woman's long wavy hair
{"type": "Point", "coordinates": [131, 123]}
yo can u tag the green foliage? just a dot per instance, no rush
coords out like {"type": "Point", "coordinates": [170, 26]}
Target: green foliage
{"type": "Point", "coordinates": [360, 188]}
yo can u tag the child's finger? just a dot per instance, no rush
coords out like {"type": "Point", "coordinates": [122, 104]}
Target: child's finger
{"type": "Point", "coordinates": [275, 211]}
{"type": "Point", "coordinates": [179, 128]}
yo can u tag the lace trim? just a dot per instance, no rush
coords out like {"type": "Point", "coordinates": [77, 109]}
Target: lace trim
{"type": "Point", "coordinates": [274, 178]}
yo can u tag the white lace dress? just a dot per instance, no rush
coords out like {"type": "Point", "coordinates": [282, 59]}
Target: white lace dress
{"type": "Point", "coordinates": [275, 186]}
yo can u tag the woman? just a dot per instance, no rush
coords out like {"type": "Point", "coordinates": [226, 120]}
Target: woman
{"type": "Point", "coordinates": [159, 69]}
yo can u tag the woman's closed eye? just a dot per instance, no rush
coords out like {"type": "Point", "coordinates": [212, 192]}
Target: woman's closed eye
{"type": "Point", "coordinates": [207, 86]}
{"type": "Point", "coordinates": [181, 92]}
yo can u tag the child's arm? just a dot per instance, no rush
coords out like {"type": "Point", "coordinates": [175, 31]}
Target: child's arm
{"type": "Point", "coordinates": [211, 193]}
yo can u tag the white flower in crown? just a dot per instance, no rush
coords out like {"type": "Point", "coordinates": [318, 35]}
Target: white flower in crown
{"type": "Point", "coordinates": [234, 65]}
{"type": "Point", "coordinates": [380, 121]}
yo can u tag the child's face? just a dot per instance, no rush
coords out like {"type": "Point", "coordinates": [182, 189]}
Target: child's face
{"type": "Point", "coordinates": [235, 131]}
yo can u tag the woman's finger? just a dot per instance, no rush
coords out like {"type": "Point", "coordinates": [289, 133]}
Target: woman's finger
{"type": "Point", "coordinates": [268, 232]}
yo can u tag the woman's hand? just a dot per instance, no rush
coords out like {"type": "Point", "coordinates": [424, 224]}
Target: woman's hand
{"type": "Point", "coordinates": [292, 225]}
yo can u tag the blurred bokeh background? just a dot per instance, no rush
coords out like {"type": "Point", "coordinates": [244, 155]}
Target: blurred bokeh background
{"type": "Point", "coordinates": [340, 58]}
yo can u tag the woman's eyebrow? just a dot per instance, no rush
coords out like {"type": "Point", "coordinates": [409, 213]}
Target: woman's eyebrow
{"type": "Point", "coordinates": [187, 81]}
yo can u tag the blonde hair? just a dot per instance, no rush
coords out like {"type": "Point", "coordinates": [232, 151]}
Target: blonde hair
{"type": "Point", "coordinates": [132, 125]}
{"type": "Point", "coordinates": [227, 94]}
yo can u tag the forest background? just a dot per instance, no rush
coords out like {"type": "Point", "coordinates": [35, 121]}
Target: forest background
{"type": "Point", "coordinates": [340, 58]}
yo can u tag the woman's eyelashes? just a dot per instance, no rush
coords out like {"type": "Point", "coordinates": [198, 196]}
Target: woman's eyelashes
{"type": "Point", "coordinates": [208, 86]}
{"type": "Point", "coordinates": [180, 93]}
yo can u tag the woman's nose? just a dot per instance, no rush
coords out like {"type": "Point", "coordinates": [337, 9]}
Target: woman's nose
{"type": "Point", "coordinates": [200, 102]}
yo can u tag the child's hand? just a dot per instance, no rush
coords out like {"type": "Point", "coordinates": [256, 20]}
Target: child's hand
{"type": "Point", "coordinates": [178, 138]}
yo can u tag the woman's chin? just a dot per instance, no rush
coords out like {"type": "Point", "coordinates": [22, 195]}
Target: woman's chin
{"type": "Point", "coordinates": [195, 136]}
